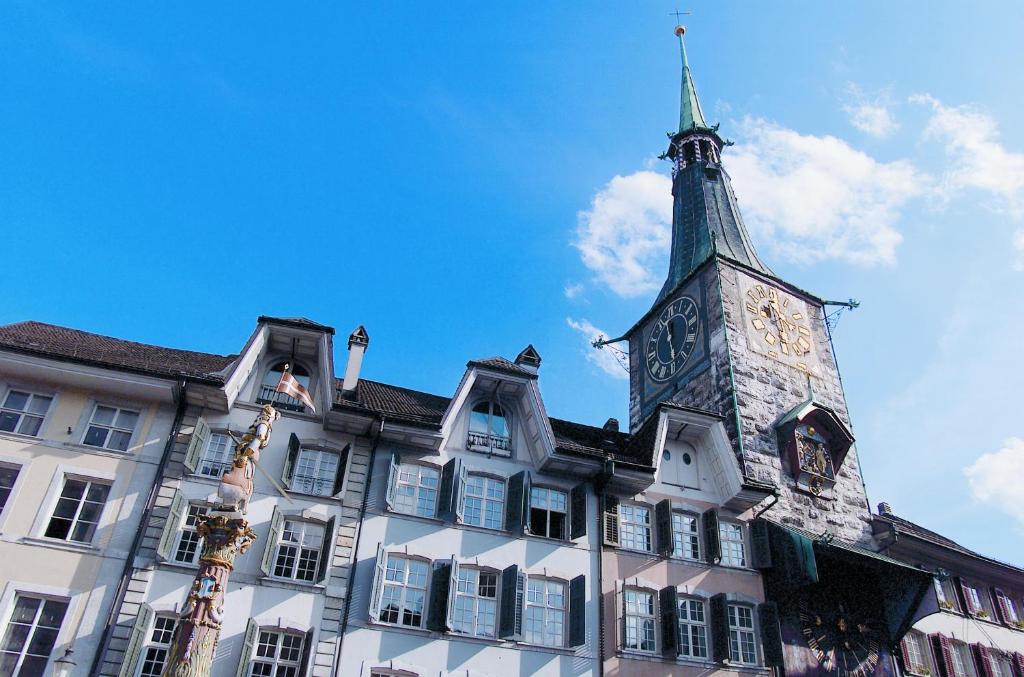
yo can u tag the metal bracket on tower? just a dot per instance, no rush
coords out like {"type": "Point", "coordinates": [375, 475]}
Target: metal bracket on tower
{"type": "Point", "coordinates": [620, 355]}
{"type": "Point", "coordinates": [832, 319]}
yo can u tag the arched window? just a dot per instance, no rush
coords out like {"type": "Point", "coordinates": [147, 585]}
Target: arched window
{"type": "Point", "coordinates": [489, 430]}
{"type": "Point", "coordinates": [267, 393]}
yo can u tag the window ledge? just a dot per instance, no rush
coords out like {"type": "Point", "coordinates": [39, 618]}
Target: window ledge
{"type": "Point", "coordinates": [561, 650]}
{"type": "Point", "coordinates": [101, 451]}
{"type": "Point", "coordinates": [419, 518]}
{"type": "Point", "coordinates": [423, 632]}
{"type": "Point", "coordinates": [174, 564]}
{"type": "Point", "coordinates": [290, 584]}
{"type": "Point", "coordinates": [564, 542]}
{"type": "Point", "coordinates": [326, 497]}
{"type": "Point", "coordinates": [56, 544]}
{"type": "Point", "coordinates": [634, 551]}
{"type": "Point", "coordinates": [21, 437]}
{"type": "Point", "coordinates": [689, 561]}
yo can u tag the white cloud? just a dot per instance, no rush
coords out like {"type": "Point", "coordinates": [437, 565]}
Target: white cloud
{"type": "Point", "coordinates": [870, 114]}
{"type": "Point", "coordinates": [812, 198]}
{"type": "Point", "coordinates": [604, 358]}
{"type": "Point", "coordinates": [995, 479]}
{"type": "Point", "coordinates": [626, 231]}
{"type": "Point", "coordinates": [977, 159]}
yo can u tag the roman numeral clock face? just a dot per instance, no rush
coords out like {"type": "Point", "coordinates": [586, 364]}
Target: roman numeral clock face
{"type": "Point", "coordinates": [777, 325]}
{"type": "Point", "coordinates": [672, 339]}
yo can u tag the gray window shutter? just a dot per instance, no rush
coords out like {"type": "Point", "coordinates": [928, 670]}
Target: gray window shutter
{"type": "Point", "coordinates": [437, 607]}
{"type": "Point", "coordinates": [307, 651]}
{"type": "Point", "coordinates": [378, 583]}
{"type": "Point", "coordinates": [392, 481]}
{"type": "Point", "coordinates": [197, 444]}
{"type": "Point", "coordinates": [446, 495]}
{"type": "Point", "coordinates": [771, 633]}
{"type": "Point", "coordinates": [760, 545]}
{"type": "Point", "coordinates": [289, 461]}
{"type": "Point", "coordinates": [252, 631]}
{"type": "Point", "coordinates": [525, 507]}
{"type": "Point", "coordinates": [663, 527]}
{"type": "Point", "coordinates": [517, 491]}
{"type": "Point", "coordinates": [719, 628]}
{"type": "Point", "coordinates": [578, 611]}
{"type": "Point", "coordinates": [460, 493]}
{"type": "Point", "coordinates": [712, 539]}
{"type": "Point", "coordinates": [508, 612]}
{"type": "Point", "coordinates": [611, 519]}
{"type": "Point", "coordinates": [172, 526]}
{"type": "Point", "coordinates": [339, 477]}
{"type": "Point", "coordinates": [453, 587]}
{"type": "Point", "coordinates": [325, 552]}
{"type": "Point", "coordinates": [270, 548]}
{"type": "Point", "coordinates": [136, 640]}
{"type": "Point", "coordinates": [668, 605]}
{"type": "Point", "coordinates": [578, 511]}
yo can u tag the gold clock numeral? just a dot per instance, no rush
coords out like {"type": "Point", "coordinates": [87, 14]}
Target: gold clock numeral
{"type": "Point", "coordinates": [798, 316]}
{"type": "Point", "coordinates": [758, 323]}
{"type": "Point", "coordinates": [760, 291]}
{"type": "Point", "coordinates": [785, 348]}
{"type": "Point", "coordinates": [769, 338]}
{"type": "Point", "coordinates": [803, 345]}
{"type": "Point", "coordinates": [803, 330]}
{"type": "Point", "coordinates": [751, 308]}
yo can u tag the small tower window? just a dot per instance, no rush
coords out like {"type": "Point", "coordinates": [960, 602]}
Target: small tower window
{"type": "Point", "coordinates": [268, 395]}
{"type": "Point", "coordinates": [690, 152]}
{"type": "Point", "coordinates": [489, 429]}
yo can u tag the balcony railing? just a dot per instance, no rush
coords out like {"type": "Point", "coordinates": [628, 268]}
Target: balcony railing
{"type": "Point", "coordinates": [494, 444]}
{"type": "Point", "coordinates": [270, 396]}
{"type": "Point", "coordinates": [309, 484]}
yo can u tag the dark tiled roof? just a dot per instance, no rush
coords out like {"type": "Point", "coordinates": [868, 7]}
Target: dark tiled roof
{"type": "Point", "coordinates": [501, 364]}
{"type": "Point", "coordinates": [62, 343]}
{"type": "Point", "coordinates": [298, 322]}
{"type": "Point", "coordinates": [905, 526]}
{"type": "Point", "coordinates": [394, 402]}
{"type": "Point", "coordinates": [588, 440]}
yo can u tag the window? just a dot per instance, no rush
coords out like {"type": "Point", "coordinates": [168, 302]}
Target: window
{"type": "Point", "coordinates": [476, 603]}
{"type": "Point", "coordinates": [733, 552]}
{"type": "Point", "coordinates": [489, 429]}
{"type": "Point", "coordinates": [278, 654]}
{"type": "Point", "coordinates": [77, 511]}
{"type": "Point", "coordinates": [1000, 664]}
{"type": "Point", "coordinates": [742, 646]}
{"type": "Point", "coordinates": [639, 610]}
{"type": "Point", "coordinates": [978, 602]}
{"type": "Point", "coordinates": [217, 457]}
{"type": "Point", "coordinates": [110, 428]}
{"type": "Point", "coordinates": [30, 635]}
{"type": "Point", "coordinates": [915, 646]}
{"type": "Point", "coordinates": [298, 551]}
{"type": "Point", "coordinates": [1006, 604]}
{"type": "Point", "coordinates": [945, 591]}
{"type": "Point", "coordinates": [23, 412]}
{"type": "Point", "coordinates": [8, 475]}
{"type": "Point", "coordinates": [189, 541]}
{"type": "Point", "coordinates": [548, 509]}
{"type": "Point", "coordinates": [405, 590]}
{"type": "Point", "coordinates": [693, 640]}
{"type": "Point", "coordinates": [545, 612]}
{"type": "Point", "coordinates": [155, 654]}
{"type": "Point", "coordinates": [685, 541]}
{"type": "Point", "coordinates": [315, 472]}
{"type": "Point", "coordinates": [416, 490]}
{"type": "Point", "coordinates": [635, 527]}
{"type": "Point", "coordinates": [484, 502]}
{"type": "Point", "coordinates": [963, 664]}
{"type": "Point", "coordinates": [269, 395]}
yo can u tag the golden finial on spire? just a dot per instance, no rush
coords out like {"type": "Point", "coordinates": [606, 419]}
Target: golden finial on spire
{"type": "Point", "coordinates": [680, 29]}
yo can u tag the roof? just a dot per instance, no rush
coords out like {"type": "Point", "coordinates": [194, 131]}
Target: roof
{"type": "Point", "coordinates": [393, 402]}
{"type": "Point", "coordinates": [589, 440]}
{"type": "Point", "coordinates": [501, 364]}
{"type": "Point", "coordinates": [908, 528]}
{"type": "Point", "coordinates": [690, 114]}
{"type": "Point", "coordinates": [47, 340]}
{"type": "Point", "coordinates": [297, 322]}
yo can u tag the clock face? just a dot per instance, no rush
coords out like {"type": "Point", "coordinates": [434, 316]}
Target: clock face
{"type": "Point", "coordinates": [843, 643]}
{"type": "Point", "coordinates": [778, 323]}
{"type": "Point", "coordinates": [672, 339]}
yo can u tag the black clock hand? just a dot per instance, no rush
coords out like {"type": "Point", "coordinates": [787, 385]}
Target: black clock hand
{"type": "Point", "coordinates": [671, 341]}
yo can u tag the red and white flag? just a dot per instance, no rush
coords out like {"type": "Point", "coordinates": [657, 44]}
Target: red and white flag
{"type": "Point", "coordinates": [289, 386]}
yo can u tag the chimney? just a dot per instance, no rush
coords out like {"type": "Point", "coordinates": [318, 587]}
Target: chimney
{"type": "Point", "coordinates": [358, 342]}
{"type": "Point", "coordinates": [611, 425]}
{"type": "Point", "coordinates": [529, 359]}
{"type": "Point", "coordinates": [884, 509]}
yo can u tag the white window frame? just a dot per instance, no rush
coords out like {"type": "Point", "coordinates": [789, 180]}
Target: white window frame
{"type": "Point", "coordinates": [689, 626]}
{"type": "Point", "coordinates": [11, 594]}
{"type": "Point", "coordinates": [299, 547]}
{"type": "Point", "coordinates": [632, 528]}
{"type": "Point", "coordinates": [321, 486]}
{"type": "Point", "coordinates": [1000, 664]}
{"type": "Point", "coordinates": [286, 402]}
{"type": "Point", "coordinates": [725, 528]}
{"type": "Point", "coordinates": [189, 531]}
{"type": "Point", "coordinates": [476, 599]}
{"type": "Point", "coordinates": [405, 586]}
{"type": "Point", "coordinates": [19, 471]}
{"type": "Point", "coordinates": [112, 427]}
{"type": "Point", "coordinates": [917, 651]}
{"type": "Point", "coordinates": [484, 500]}
{"type": "Point", "coordinates": [223, 460]}
{"type": "Point", "coordinates": [22, 414]}
{"type": "Point", "coordinates": [418, 488]}
{"type": "Point", "coordinates": [681, 536]}
{"type": "Point", "coordinates": [963, 661]}
{"type": "Point", "coordinates": [637, 617]}
{"type": "Point", "coordinates": [548, 510]}
{"type": "Point", "coordinates": [276, 661]}
{"type": "Point", "coordinates": [499, 445]}
{"type": "Point", "coordinates": [99, 523]}
{"type": "Point", "coordinates": [738, 632]}
{"type": "Point", "coordinates": [154, 645]}
{"type": "Point", "coordinates": [549, 611]}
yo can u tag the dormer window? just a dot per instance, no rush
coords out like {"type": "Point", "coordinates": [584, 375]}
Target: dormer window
{"type": "Point", "coordinates": [489, 430]}
{"type": "Point", "coordinates": [268, 394]}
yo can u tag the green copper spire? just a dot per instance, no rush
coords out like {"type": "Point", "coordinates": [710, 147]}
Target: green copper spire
{"type": "Point", "coordinates": [690, 114]}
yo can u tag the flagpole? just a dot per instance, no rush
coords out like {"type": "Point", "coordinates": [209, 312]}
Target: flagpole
{"type": "Point", "coordinates": [226, 534]}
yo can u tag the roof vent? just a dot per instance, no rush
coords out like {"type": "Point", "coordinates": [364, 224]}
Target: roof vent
{"type": "Point", "coordinates": [611, 425]}
{"type": "Point", "coordinates": [358, 342]}
{"type": "Point", "coordinates": [884, 508]}
{"type": "Point", "coordinates": [529, 358]}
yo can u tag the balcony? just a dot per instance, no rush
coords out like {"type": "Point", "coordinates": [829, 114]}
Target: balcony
{"type": "Point", "coordinates": [489, 444]}
{"type": "Point", "coordinates": [281, 401]}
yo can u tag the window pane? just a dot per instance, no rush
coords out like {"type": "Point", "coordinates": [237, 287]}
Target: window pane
{"type": "Point", "coordinates": [119, 440]}
{"type": "Point", "coordinates": [39, 404]}
{"type": "Point", "coordinates": [8, 421]}
{"type": "Point", "coordinates": [95, 437]}
{"type": "Point", "coordinates": [127, 419]}
{"type": "Point", "coordinates": [16, 400]}
{"type": "Point", "coordinates": [104, 415]}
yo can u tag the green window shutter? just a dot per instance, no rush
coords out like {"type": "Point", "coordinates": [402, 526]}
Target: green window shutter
{"type": "Point", "coordinates": [289, 461]}
{"type": "Point", "coordinates": [392, 481]}
{"type": "Point", "coordinates": [252, 631]}
{"type": "Point", "coordinates": [668, 603]}
{"type": "Point", "coordinates": [719, 628]}
{"type": "Point", "coordinates": [453, 587]}
{"type": "Point", "coordinates": [771, 634]}
{"type": "Point", "coordinates": [514, 498]}
{"type": "Point", "coordinates": [663, 527]}
{"type": "Point", "coordinates": [760, 545]}
{"type": "Point", "coordinates": [270, 548]}
{"type": "Point", "coordinates": [525, 507]}
{"type": "Point", "coordinates": [509, 600]}
{"type": "Point", "coordinates": [440, 585]}
{"type": "Point", "coordinates": [578, 511]}
{"type": "Point", "coordinates": [446, 495]}
{"type": "Point", "coordinates": [378, 583]}
{"type": "Point", "coordinates": [339, 477]}
{"type": "Point", "coordinates": [712, 538]}
{"type": "Point", "coordinates": [136, 640]}
{"type": "Point", "coordinates": [172, 526]}
{"type": "Point", "coordinates": [578, 611]}
{"type": "Point", "coordinates": [307, 651]}
{"type": "Point", "coordinates": [610, 508]}
{"type": "Point", "coordinates": [460, 493]}
{"type": "Point", "coordinates": [325, 552]}
{"type": "Point", "coordinates": [197, 444]}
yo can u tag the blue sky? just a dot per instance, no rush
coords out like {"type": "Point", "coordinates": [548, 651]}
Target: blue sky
{"type": "Point", "coordinates": [467, 178]}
